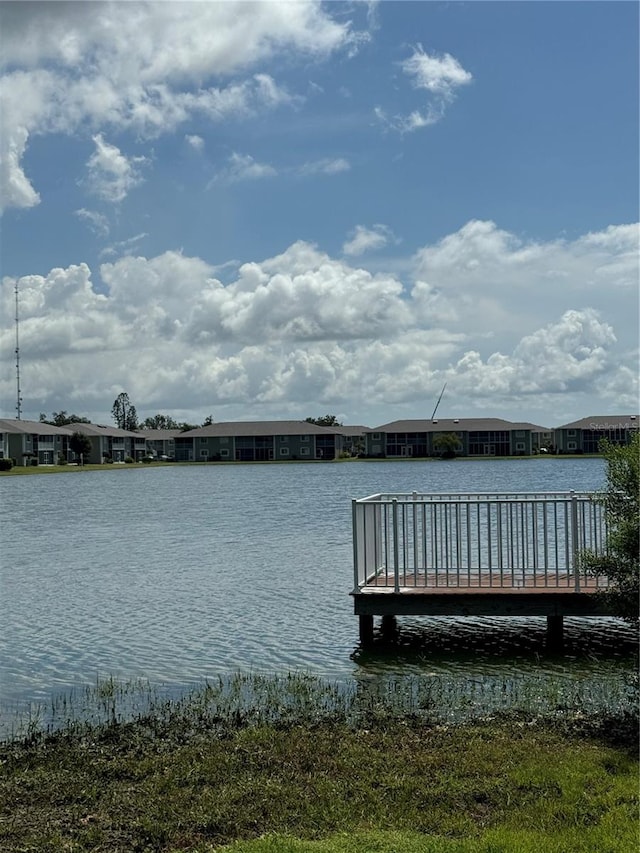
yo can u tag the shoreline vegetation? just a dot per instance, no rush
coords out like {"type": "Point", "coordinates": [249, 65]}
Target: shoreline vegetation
{"type": "Point", "coordinates": [293, 764]}
{"type": "Point", "coordinates": [19, 470]}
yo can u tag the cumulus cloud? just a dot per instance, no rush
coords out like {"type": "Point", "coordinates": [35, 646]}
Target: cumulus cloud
{"type": "Point", "coordinates": [490, 280]}
{"type": "Point", "coordinates": [439, 76]}
{"type": "Point", "coordinates": [110, 174]}
{"type": "Point", "coordinates": [303, 331]}
{"type": "Point", "coordinates": [367, 239]}
{"type": "Point", "coordinates": [89, 65]}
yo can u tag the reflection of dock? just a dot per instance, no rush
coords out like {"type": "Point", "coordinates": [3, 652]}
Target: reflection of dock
{"type": "Point", "coordinates": [476, 555]}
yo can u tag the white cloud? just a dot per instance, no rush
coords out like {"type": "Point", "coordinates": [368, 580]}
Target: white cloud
{"type": "Point", "coordinates": [15, 188]}
{"type": "Point", "coordinates": [440, 76]}
{"type": "Point", "coordinates": [489, 280]}
{"type": "Point", "coordinates": [123, 246]}
{"type": "Point", "coordinates": [110, 174]}
{"type": "Point", "coordinates": [194, 141]}
{"type": "Point", "coordinates": [367, 239]}
{"type": "Point", "coordinates": [146, 67]}
{"type": "Point", "coordinates": [510, 325]}
{"type": "Point", "coordinates": [326, 166]}
{"type": "Point", "coordinates": [98, 223]}
{"type": "Point", "coordinates": [242, 167]}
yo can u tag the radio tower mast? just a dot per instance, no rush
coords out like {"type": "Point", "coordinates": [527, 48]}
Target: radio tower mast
{"type": "Point", "coordinates": [19, 394]}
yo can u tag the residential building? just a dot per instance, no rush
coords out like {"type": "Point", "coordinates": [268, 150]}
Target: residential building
{"type": "Point", "coordinates": [476, 437]}
{"type": "Point", "coordinates": [585, 435]}
{"type": "Point", "coordinates": [258, 441]}
{"type": "Point", "coordinates": [27, 441]}
{"type": "Point", "coordinates": [111, 443]}
{"type": "Point", "coordinates": [354, 438]}
{"type": "Point", "coordinates": [160, 442]}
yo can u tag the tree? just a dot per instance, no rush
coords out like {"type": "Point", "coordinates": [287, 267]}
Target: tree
{"type": "Point", "coordinates": [124, 413]}
{"type": "Point", "coordinates": [160, 422]}
{"type": "Point", "coordinates": [62, 419]}
{"type": "Point", "coordinates": [621, 501]}
{"type": "Point", "coordinates": [208, 420]}
{"type": "Point", "coordinates": [325, 420]}
{"type": "Point", "coordinates": [447, 444]}
{"type": "Point", "coordinates": [80, 444]}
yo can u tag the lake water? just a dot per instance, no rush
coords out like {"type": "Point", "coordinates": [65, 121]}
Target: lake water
{"type": "Point", "coordinates": [179, 574]}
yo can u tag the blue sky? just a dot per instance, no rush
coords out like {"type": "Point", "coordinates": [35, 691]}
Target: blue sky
{"type": "Point", "coordinates": [265, 210]}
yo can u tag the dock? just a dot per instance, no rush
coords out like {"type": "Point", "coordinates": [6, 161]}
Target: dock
{"type": "Point", "coordinates": [487, 554]}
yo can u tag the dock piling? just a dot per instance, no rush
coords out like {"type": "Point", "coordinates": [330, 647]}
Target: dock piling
{"type": "Point", "coordinates": [366, 630]}
{"type": "Point", "coordinates": [555, 632]}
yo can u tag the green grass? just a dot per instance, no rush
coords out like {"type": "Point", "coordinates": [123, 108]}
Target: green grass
{"type": "Point", "coordinates": [215, 771]}
{"type": "Point", "coordinates": [20, 470]}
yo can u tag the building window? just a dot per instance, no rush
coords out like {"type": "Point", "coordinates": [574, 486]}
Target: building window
{"type": "Point", "coordinates": [375, 436]}
{"type": "Point", "coordinates": [203, 439]}
{"type": "Point", "coordinates": [224, 439]}
{"type": "Point", "coordinates": [284, 438]}
{"type": "Point", "coordinates": [304, 438]}
{"type": "Point", "coordinates": [571, 445]}
{"type": "Point", "coordinates": [519, 445]}
{"type": "Point", "coordinates": [571, 432]}
{"type": "Point", "coordinates": [304, 451]}
{"type": "Point", "coordinates": [204, 454]}
{"type": "Point", "coordinates": [284, 451]}
{"type": "Point", "coordinates": [519, 433]}
{"type": "Point", "coordinates": [224, 452]}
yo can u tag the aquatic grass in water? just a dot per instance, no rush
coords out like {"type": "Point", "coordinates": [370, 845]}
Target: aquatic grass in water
{"type": "Point", "coordinates": [254, 699]}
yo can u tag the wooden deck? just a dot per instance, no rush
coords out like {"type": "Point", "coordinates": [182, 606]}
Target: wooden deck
{"type": "Point", "coordinates": [484, 582]}
{"type": "Point", "coordinates": [485, 555]}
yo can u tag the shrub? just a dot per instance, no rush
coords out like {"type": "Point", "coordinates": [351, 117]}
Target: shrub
{"type": "Point", "coordinates": [128, 460]}
{"type": "Point", "coordinates": [6, 464]}
{"type": "Point", "coordinates": [147, 459]}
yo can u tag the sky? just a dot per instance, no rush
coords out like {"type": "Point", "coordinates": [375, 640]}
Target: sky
{"type": "Point", "coordinates": [280, 210]}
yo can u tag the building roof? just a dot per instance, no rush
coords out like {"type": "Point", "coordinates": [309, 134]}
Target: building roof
{"type": "Point", "coordinates": [248, 428]}
{"type": "Point", "coordinates": [159, 434]}
{"type": "Point", "coordinates": [451, 425]}
{"type": "Point", "coordinates": [14, 425]}
{"type": "Point", "coordinates": [352, 429]}
{"type": "Point", "coordinates": [96, 429]}
{"type": "Point", "coordinates": [532, 427]}
{"type": "Point", "coordinates": [604, 422]}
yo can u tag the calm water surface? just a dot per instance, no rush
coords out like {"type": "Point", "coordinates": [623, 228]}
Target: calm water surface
{"type": "Point", "coordinates": [180, 574]}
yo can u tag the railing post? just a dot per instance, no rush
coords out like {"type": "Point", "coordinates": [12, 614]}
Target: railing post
{"type": "Point", "coordinates": [354, 529]}
{"type": "Point", "coordinates": [575, 540]}
{"type": "Point", "coordinates": [396, 555]}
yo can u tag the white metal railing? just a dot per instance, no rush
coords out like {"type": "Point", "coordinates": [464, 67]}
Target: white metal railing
{"type": "Point", "coordinates": [464, 540]}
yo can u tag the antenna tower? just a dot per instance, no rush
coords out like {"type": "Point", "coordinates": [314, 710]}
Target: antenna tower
{"type": "Point", "coordinates": [18, 392]}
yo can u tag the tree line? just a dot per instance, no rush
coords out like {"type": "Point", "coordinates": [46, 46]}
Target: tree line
{"type": "Point", "coordinates": [125, 416]}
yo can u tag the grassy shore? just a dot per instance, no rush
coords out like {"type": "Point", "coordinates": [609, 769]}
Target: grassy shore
{"type": "Point", "coordinates": [20, 470]}
{"type": "Point", "coordinates": [307, 775]}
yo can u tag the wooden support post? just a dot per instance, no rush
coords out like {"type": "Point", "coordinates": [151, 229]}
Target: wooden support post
{"type": "Point", "coordinates": [366, 630]}
{"type": "Point", "coordinates": [555, 634]}
{"type": "Point", "coordinates": [389, 627]}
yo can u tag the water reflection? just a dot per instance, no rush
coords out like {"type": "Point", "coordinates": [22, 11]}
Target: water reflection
{"type": "Point", "coordinates": [489, 646]}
